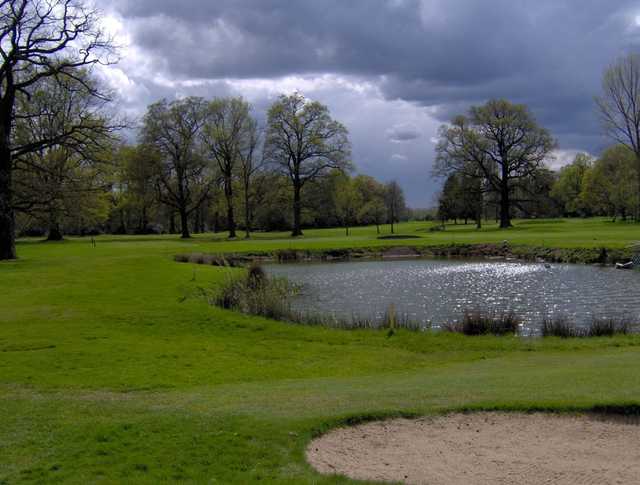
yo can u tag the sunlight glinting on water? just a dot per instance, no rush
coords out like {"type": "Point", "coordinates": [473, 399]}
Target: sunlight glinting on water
{"type": "Point", "coordinates": [438, 291]}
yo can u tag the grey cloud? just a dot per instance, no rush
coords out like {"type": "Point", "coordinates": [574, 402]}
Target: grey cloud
{"type": "Point", "coordinates": [403, 132]}
{"type": "Point", "coordinates": [437, 54]}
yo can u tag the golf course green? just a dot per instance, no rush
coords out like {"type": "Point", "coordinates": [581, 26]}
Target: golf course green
{"type": "Point", "coordinates": [114, 369]}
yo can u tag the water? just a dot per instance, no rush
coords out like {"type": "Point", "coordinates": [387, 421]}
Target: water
{"type": "Point", "coordinates": [436, 291]}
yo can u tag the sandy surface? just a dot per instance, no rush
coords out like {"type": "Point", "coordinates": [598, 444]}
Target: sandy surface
{"type": "Point", "coordinates": [485, 448]}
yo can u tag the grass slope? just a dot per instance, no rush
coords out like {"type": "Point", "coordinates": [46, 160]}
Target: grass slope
{"type": "Point", "coordinates": [111, 369]}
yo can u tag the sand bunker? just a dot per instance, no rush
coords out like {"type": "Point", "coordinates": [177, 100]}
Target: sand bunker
{"type": "Point", "coordinates": [485, 448]}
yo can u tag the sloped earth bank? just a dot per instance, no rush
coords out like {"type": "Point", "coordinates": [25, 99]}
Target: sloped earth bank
{"type": "Point", "coordinates": [485, 448]}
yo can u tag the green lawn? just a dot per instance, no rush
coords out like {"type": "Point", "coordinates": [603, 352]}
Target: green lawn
{"type": "Point", "coordinates": [112, 370]}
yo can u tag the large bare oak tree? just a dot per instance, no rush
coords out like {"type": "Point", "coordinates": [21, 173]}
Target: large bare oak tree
{"type": "Point", "coordinates": [185, 177]}
{"type": "Point", "coordinates": [228, 130]}
{"type": "Point", "coordinates": [304, 142]}
{"type": "Point", "coordinates": [500, 142]}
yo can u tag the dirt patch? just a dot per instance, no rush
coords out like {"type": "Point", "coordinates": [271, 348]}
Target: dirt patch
{"type": "Point", "coordinates": [485, 448]}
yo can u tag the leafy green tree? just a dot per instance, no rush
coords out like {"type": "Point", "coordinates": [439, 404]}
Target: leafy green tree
{"type": "Point", "coordinates": [39, 40]}
{"type": "Point", "coordinates": [372, 193]}
{"type": "Point", "coordinates": [501, 143]}
{"type": "Point", "coordinates": [348, 201]}
{"type": "Point", "coordinates": [568, 187]}
{"type": "Point", "coordinates": [609, 186]}
{"type": "Point", "coordinates": [304, 143]}
{"type": "Point", "coordinates": [449, 199]}
{"type": "Point", "coordinates": [139, 166]}
{"type": "Point", "coordinates": [51, 179]}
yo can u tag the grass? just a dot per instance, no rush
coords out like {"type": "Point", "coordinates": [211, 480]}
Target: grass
{"type": "Point", "coordinates": [113, 369]}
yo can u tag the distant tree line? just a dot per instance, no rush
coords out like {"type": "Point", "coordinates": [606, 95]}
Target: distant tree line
{"type": "Point", "coordinates": [203, 165]}
{"type": "Point", "coordinates": [208, 165]}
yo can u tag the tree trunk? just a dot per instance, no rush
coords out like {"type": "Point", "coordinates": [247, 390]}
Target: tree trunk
{"type": "Point", "coordinates": [203, 215]}
{"type": "Point", "coordinates": [7, 215]}
{"type": "Point", "coordinates": [228, 192]}
{"type": "Point", "coordinates": [184, 223]}
{"type": "Point", "coordinates": [172, 222]}
{"type": "Point", "coordinates": [638, 175]}
{"type": "Point", "coordinates": [216, 222]}
{"type": "Point", "coordinates": [145, 220]}
{"type": "Point", "coordinates": [505, 205]}
{"type": "Point", "coordinates": [55, 234]}
{"type": "Point", "coordinates": [247, 211]}
{"type": "Point", "coordinates": [479, 210]}
{"type": "Point", "coordinates": [297, 209]}
{"type": "Point", "coordinates": [196, 221]}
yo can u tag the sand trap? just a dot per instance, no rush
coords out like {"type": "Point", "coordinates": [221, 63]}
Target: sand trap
{"type": "Point", "coordinates": [485, 448]}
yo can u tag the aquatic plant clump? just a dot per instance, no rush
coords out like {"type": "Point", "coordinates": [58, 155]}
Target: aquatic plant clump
{"type": "Point", "coordinates": [598, 327]}
{"type": "Point", "coordinates": [478, 323]}
{"type": "Point", "coordinates": [256, 293]}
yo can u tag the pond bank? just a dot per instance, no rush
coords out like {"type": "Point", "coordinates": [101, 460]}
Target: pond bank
{"type": "Point", "coordinates": [503, 250]}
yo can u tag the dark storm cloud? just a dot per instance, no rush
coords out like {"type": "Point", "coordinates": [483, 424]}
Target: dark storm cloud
{"type": "Point", "coordinates": [440, 54]}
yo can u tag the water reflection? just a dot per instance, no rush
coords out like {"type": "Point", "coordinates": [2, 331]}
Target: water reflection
{"type": "Point", "coordinates": [436, 291]}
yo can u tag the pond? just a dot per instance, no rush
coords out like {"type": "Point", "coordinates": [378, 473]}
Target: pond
{"type": "Point", "coordinates": [433, 292]}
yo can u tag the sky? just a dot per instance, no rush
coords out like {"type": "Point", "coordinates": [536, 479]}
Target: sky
{"type": "Point", "coordinates": [392, 71]}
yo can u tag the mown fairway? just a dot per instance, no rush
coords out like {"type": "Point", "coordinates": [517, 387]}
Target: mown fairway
{"type": "Point", "coordinates": [112, 368]}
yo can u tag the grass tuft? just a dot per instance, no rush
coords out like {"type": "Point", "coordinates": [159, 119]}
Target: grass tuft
{"type": "Point", "coordinates": [478, 323]}
{"type": "Point", "coordinates": [598, 327]}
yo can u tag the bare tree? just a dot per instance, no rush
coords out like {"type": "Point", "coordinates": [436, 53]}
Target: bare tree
{"type": "Point", "coordinates": [185, 177]}
{"type": "Point", "coordinates": [251, 163]}
{"type": "Point", "coordinates": [499, 142]}
{"type": "Point", "coordinates": [304, 142]}
{"type": "Point", "coordinates": [39, 39]}
{"type": "Point", "coordinates": [619, 107]}
{"type": "Point", "coordinates": [394, 200]}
